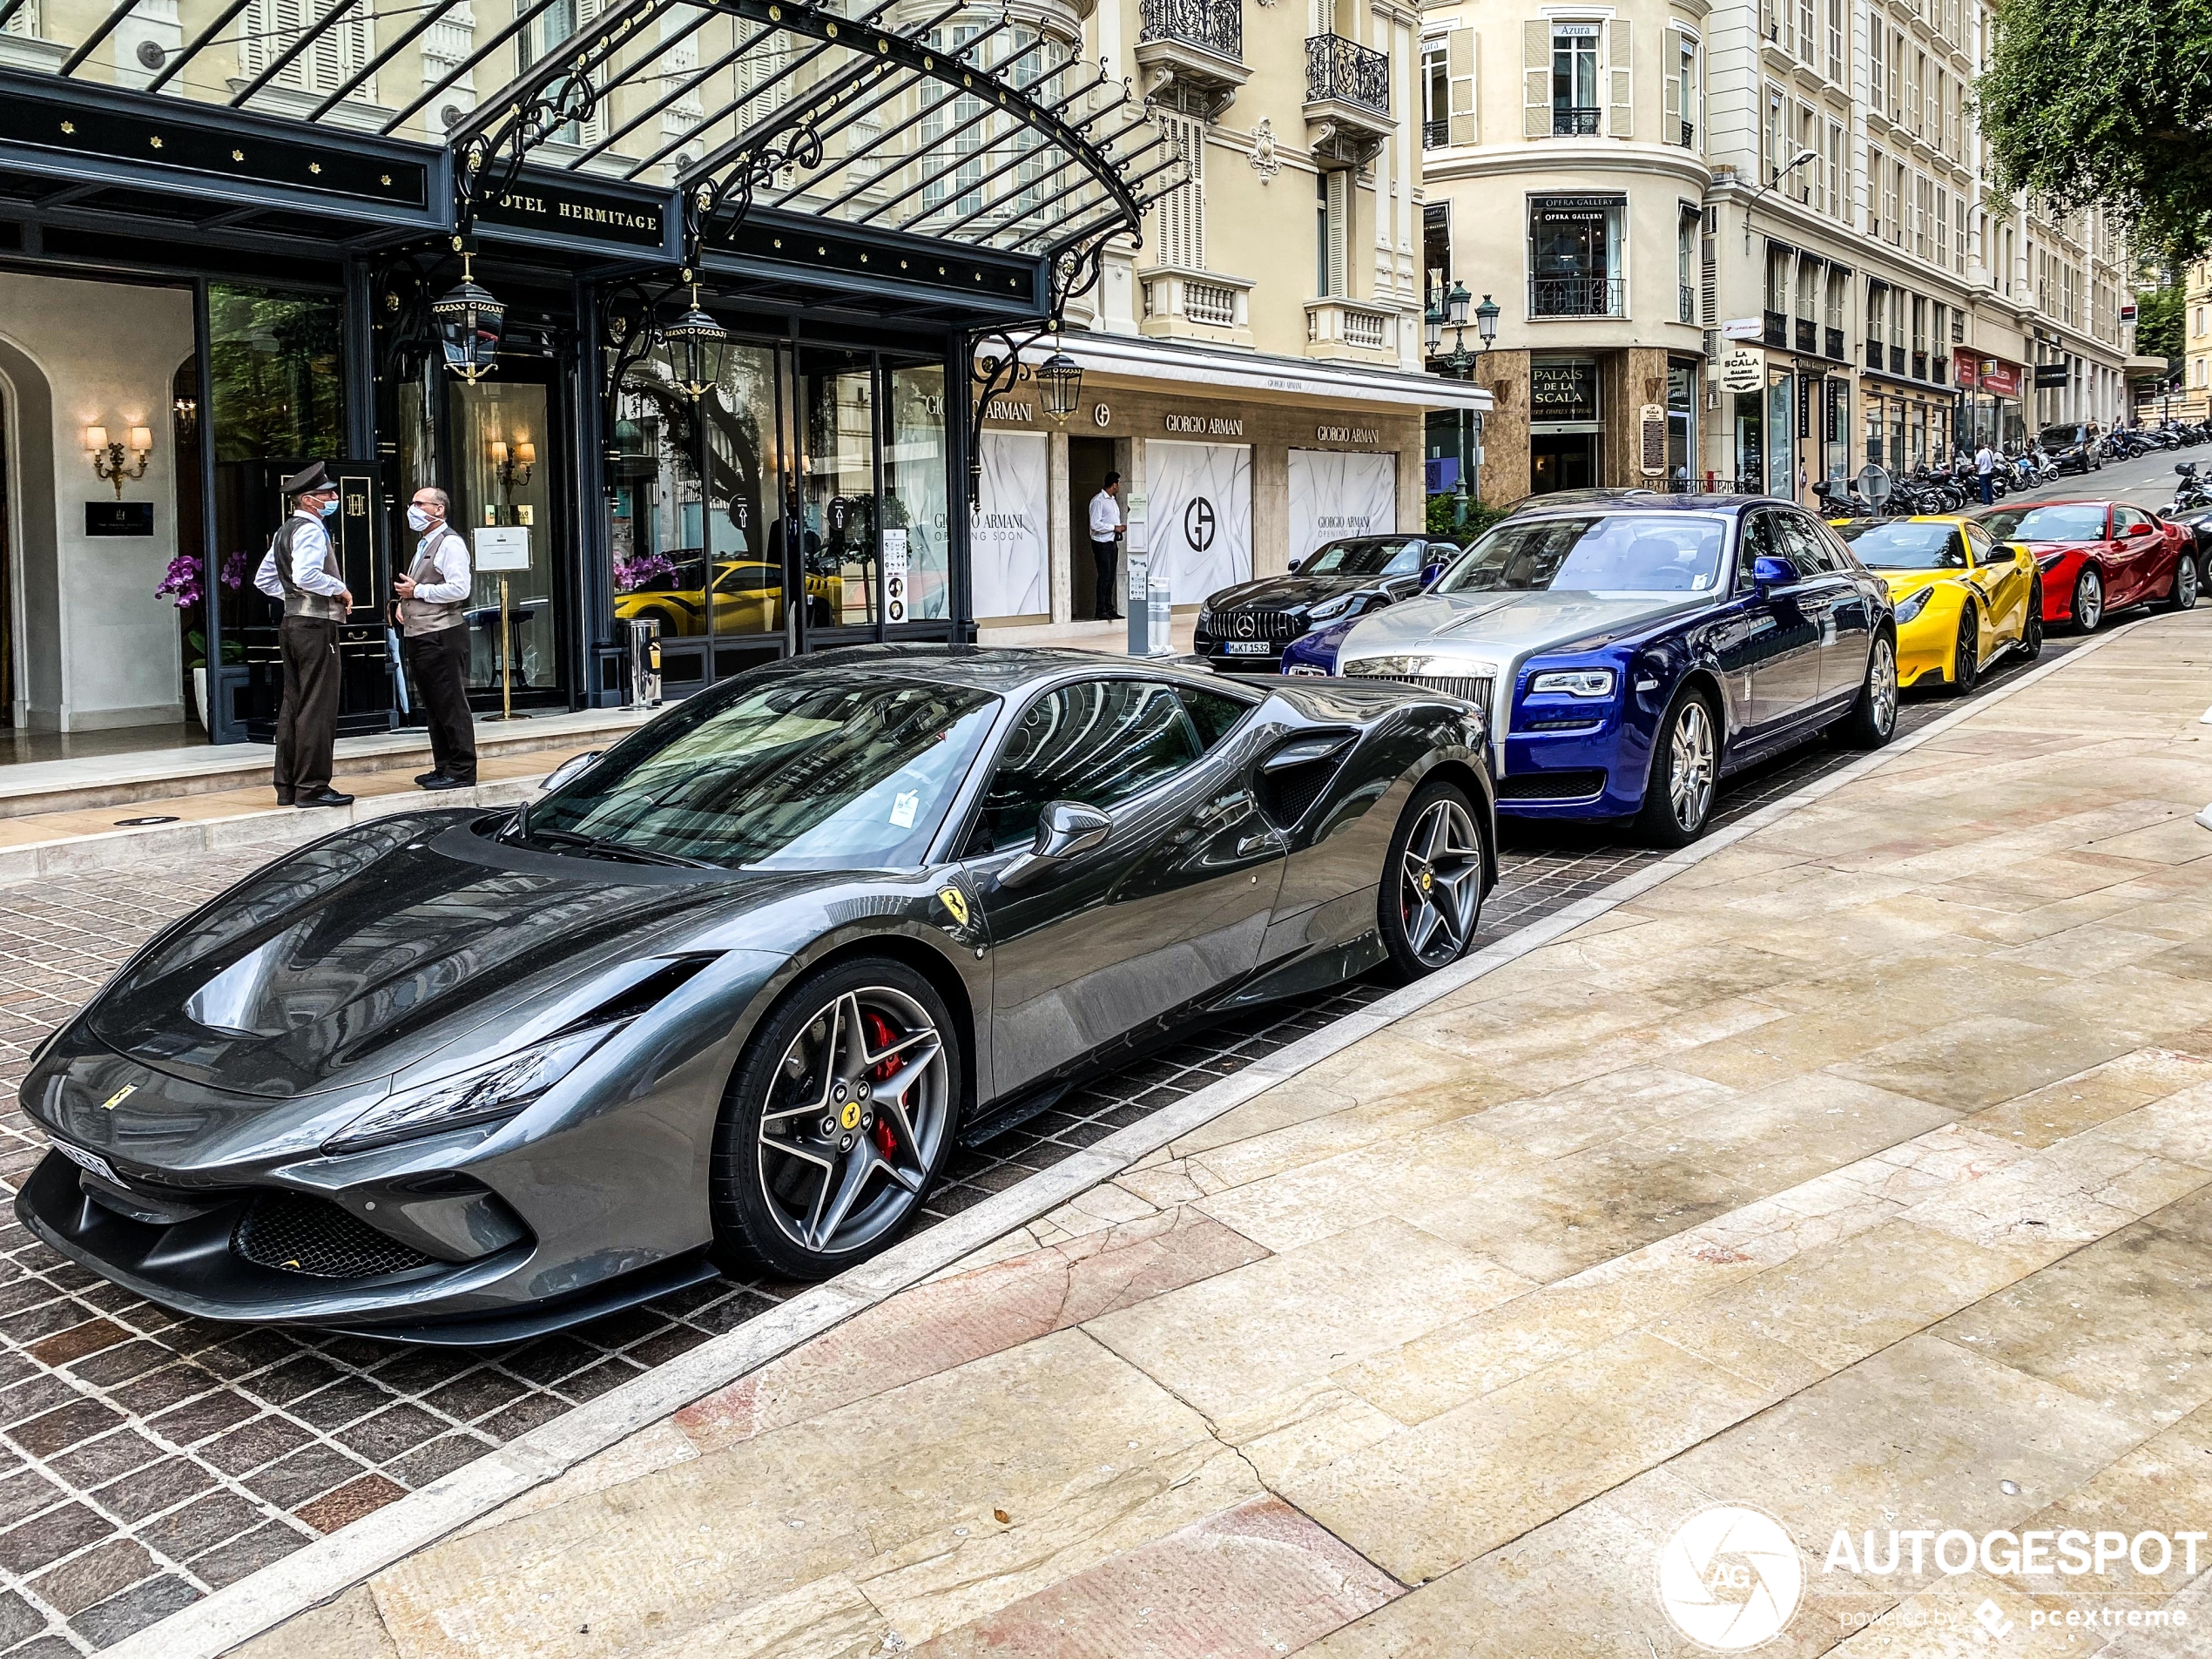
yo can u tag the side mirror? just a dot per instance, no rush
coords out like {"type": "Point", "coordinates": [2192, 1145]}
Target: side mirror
{"type": "Point", "coordinates": [1064, 828]}
{"type": "Point", "coordinates": [2139, 529]}
{"type": "Point", "coordinates": [1431, 574]}
{"type": "Point", "coordinates": [1294, 564]}
{"type": "Point", "coordinates": [1770, 572]}
{"type": "Point", "coordinates": [567, 770]}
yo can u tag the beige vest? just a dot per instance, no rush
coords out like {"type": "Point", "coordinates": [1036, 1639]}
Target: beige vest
{"type": "Point", "coordinates": [298, 602]}
{"type": "Point", "coordinates": [421, 615]}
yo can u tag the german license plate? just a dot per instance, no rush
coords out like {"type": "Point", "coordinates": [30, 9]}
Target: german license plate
{"type": "Point", "coordinates": [83, 1159]}
{"type": "Point", "coordinates": [1245, 647]}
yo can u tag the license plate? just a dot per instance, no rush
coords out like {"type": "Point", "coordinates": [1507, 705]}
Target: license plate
{"type": "Point", "coordinates": [84, 1160]}
{"type": "Point", "coordinates": [1245, 647]}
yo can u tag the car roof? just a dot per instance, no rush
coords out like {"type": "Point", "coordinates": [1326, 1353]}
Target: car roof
{"type": "Point", "coordinates": [1005, 670]}
{"type": "Point", "coordinates": [1651, 501]}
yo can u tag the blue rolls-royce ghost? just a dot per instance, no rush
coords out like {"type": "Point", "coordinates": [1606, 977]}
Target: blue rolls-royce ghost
{"type": "Point", "coordinates": [1629, 657]}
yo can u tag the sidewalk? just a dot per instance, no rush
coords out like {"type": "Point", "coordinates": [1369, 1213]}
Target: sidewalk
{"type": "Point", "coordinates": [1861, 1173]}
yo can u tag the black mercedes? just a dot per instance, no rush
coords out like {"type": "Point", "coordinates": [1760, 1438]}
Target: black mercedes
{"type": "Point", "coordinates": [732, 992]}
{"type": "Point", "coordinates": [1244, 628]}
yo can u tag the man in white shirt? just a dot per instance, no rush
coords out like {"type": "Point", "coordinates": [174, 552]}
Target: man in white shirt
{"type": "Point", "coordinates": [432, 611]}
{"type": "Point", "coordinates": [301, 568]}
{"type": "Point", "coordinates": [1986, 471]}
{"type": "Point", "coordinates": [1105, 546]}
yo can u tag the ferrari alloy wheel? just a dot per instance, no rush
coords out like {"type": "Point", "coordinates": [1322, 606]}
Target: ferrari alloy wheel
{"type": "Point", "coordinates": [838, 1121]}
{"type": "Point", "coordinates": [1431, 901]}
{"type": "Point", "coordinates": [1685, 773]}
{"type": "Point", "coordinates": [2088, 601]}
{"type": "Point", "coordinates": [2031, 628]}
{"type": "Point", "coordinates": [1966, 654]}
{"type": "Point", "coordinates": [2183, 596]}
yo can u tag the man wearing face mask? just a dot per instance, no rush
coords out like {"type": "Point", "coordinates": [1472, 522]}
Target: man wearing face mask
{"type": "Point", "coordinates": [301, 568]}
{"type": "Point", "coordinates": [432, 609]}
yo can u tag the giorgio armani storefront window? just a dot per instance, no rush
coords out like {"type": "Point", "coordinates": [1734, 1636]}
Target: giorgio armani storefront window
{"type": "Point", "coordinates": [917, 558]}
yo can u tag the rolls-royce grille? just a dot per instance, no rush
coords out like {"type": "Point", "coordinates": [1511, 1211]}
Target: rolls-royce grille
{"type": "Point", "coordinates": [294, 1233]}
{"type": "Point", "coordinates": [1475, 688]}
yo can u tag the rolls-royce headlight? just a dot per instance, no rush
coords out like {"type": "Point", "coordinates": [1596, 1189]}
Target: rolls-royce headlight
{"type": "Point", "coordinates": [1912, 604]}
{"type": "Point", "coordinates": [1575, 682]}
{"type": "Point", "coordinates": [499, 1088]}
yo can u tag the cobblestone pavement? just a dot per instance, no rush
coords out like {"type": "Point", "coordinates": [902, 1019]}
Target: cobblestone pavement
{"type": "Point", "coordinates": [147, 1459]}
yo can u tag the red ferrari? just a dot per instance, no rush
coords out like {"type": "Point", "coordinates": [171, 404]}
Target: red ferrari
{"type": "Point", "coordinates": [2100, 556]}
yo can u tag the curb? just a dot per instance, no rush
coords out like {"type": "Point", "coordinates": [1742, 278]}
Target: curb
{"type": "Point", "coordinates": [322, 1570]}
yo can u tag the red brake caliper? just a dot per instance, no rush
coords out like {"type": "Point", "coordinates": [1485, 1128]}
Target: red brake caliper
{"type": "Point", "coordinates": [881, 1037]}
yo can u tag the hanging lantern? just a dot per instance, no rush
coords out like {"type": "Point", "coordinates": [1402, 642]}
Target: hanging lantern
{"type": "Point", "coordinates": [1059, 383]}
{"type": "Point", "coordinates": [468, 320]}
{"type": "Point", "coordinates": [694, 347]}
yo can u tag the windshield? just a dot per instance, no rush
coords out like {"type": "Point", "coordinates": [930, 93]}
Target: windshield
{"type": "Point", "coordinates": [814, 770]}
{"type": "Point", "coordinates": [2079, 523]}
{"type": "Point", "coordinates": [1390, 556]}
{"type": "Point", "coordinates": [1900, 545]}
{"type": "Point", "coordinates": [1596, 553]}
{"type": "Point", "coordinates": [2060, 435]}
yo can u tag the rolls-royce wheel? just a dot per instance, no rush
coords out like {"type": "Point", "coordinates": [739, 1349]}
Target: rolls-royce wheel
{"type": "Point", "coordinates": [837, 1121]}
{"type": "Point", "coordinates": [2088, 601]}
{"type": "Point", "coordinates": [2183, 593]}
{"type": "Point", "coordinates": [1685, 773]}
{"type": "Point", "coordinates": [1430, 900]}
{"type": "Point", "coordinates": [1965, 651]}
{"type": "Point", "coordinates": [1872, 720]}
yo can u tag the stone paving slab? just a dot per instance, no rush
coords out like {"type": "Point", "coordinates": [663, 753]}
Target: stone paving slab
{"type": "Point", "coordinates": [1895, 1220]}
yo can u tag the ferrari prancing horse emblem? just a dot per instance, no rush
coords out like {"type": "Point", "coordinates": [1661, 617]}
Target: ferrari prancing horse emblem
{"type": "Point", "coordinates": [956, 903]}
{"type": "Point", "coordinates": [119, 1097]}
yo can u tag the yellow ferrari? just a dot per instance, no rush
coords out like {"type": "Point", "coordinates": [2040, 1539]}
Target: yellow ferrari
{"type": "Point", "coordinates": [748, 599]}
{"type": "Point", "coordinates": [1961, 598]}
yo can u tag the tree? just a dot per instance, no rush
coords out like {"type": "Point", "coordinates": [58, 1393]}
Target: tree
{"type": "Point", "coordinates": [2107, 103]}
{"type": "Point", "coordinates": [2158, 326]}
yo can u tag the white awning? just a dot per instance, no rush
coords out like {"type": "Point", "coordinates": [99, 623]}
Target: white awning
{"type": "Point", "coordinates": [1271, 378]}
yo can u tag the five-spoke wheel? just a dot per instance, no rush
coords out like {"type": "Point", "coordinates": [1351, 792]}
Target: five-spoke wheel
{"type": "Point", "coordinates": [1431, 901]}
{"type": "Point", "coordinates": [837, 1120]}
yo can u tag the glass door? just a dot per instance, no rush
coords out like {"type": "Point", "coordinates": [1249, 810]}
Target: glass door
{"type": "Point", "coordinates": [505, 477]}
{"type": "Point", "coordinates": [838, 484]}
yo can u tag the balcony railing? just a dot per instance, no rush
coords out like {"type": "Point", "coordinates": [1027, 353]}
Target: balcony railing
{"type": "Point", "coordinates": [1874, 355]}
{"type": "Point", "coordinates": [1835, 346]}
{"type": "Point", "coordinates": [1436, 134]}
{"type": "Point", "coordinates": [1940, 370]}
{"type": "Point", "coordinates": [1775, 330]}
{"type": "Point", "coordinates": [1808, 335]}
{"type": "Point", "coordinates": [1920, 365]}
{"type": "Point", "coordinates": [1896, 359]}
{"type": "Point", "coordinates": [1689, 136]}
{"type": "Point", "coordinates": [1686, 303]}
{"type": "Point", "coordinates": [1574, 124]}
{"type": "Point", "coordinates": [1575, 297]}
{"type": "Point", "coordinates": [1344, 69]}
{"type": "Point", "coordinates": [1218, 25]}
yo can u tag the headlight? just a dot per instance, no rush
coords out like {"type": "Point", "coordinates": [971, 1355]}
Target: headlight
{"type": "Point", "coordinates": [498, 1089]}
{"type": "Point", "coordinates": [1913, 605]}
{"type": "Point", "coordinates": [1328, 609]}
{"type": "Point", "coordinates": [1575, 682]}
{"type": "Point", "coordinates": [1205, 622]}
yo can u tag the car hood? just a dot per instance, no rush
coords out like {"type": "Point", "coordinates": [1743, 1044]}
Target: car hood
{"type": "Point", "coordinates": [1286, 592]}
{"type": "Point", "coordinates": [365, 954]}
{"type": "Point", "coordinates": [1498, 626]}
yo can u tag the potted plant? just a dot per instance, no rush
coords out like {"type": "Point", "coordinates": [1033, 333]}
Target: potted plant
{"type": "Point", "coordinates": [181, 586]}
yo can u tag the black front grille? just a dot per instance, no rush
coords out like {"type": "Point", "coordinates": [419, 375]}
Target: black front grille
{"type": "Point", "coordinates": [1551, 785]}
{"type": "Point", "coordinates": [294, 1233]}
{"type": "Point", "coordinates": [1252, 623]}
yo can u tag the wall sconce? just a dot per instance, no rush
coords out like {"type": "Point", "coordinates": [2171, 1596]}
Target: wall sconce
{"type": "Point", "coordinates": [107, 458]}
{"type": "Point", "coordinates": [513, 469]}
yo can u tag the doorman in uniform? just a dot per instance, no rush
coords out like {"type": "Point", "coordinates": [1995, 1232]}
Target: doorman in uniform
{"type": "Point", "coordinates": [301, 568]}
{"type": "Point", "coordinates": [1105, 546]}
{"type": "Point", "coordinates": [433, 608]}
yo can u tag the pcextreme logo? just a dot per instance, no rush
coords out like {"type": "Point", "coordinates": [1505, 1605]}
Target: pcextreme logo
{"type": "Point", "coordinates": [1730, 1578]}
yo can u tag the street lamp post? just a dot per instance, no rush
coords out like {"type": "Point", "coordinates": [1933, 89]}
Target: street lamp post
{"type": "Point", "coordinates": [1460, 362]}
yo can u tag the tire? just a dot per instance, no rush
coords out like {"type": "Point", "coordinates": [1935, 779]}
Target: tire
{"type": "Point", "coordinates": [1872, 720]}
{"type": "Point", "coordinates": [2088, 600]}
{"type": "Point", "coordinates": [2183, 596]}
{"type": "Point", "coordinates": [1679, 789]}
{"type": "Point", "coordinates": [1429, 903]}
{"type": "Point", "coordinates": [813, 1080]}
{"type": "Point", "coordinates": [1965, 651]}
{"type": "Point", "coordinates": [2032, 630]}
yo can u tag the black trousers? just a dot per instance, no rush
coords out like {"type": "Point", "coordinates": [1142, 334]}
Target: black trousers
{"type": "Point", "coordinates": [1103, 605]}
{"type": "Point", "coordinates": [307, 719]}
{"type": "Point", "coordinates": [439, 663]}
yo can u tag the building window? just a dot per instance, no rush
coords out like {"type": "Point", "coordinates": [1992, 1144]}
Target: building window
{"type": "Point", "coordinates": [1332, 207]}
{"type": "Point", "coordinates": [1436, 251]}
{"type": "Point", "coordinates": [1574, 249]}
{"type": "Point", "coordinates": [1772, 136]}
{"type": "Point", "coordinates": [1182, 226]}
{"type": "Point", "coordinates": [1836, 41]}
{"type": "Point", "coordinates": [1686, 89]}
{"type": "Point", "coordinates": [1874, 77]}
{"type": "Point", "coordinates": [1436, 95]}
{"type": "Point", "coordinates": [1839, 202]}
{"type": "Point", "coordinates": [1574, 102]}
{"type": "Point", "coordinates": [271, 29]}
{"type": "Point", "coordinates": [1805, 45]}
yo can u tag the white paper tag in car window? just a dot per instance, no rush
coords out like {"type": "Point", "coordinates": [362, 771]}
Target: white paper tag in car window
{"type": "Point", "coordinates": [904, 806]}
{"type": "Point", "coordinates": [1701, 581]}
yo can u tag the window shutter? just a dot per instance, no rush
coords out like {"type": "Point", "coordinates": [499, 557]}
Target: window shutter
{"type": "Point", "coordinates": [1459, 62]}
{"type": "Point", "coordinates": [1324, 18]}
{"type": "Point", "coordinates": [1670, 88]}
{"type": "Point", "coordinates": [1181, 220]}
{"type": "Point", "coordinates": [1537, 79]}
{"type": "Point", "coordinates": [1620, 120]}
{"type": "Point", "coordinates": [1340, 213]}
